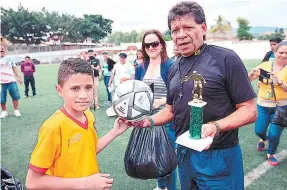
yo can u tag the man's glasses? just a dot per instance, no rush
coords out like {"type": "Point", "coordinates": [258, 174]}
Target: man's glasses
{"type": "Point", "coordinates": [152, 44]}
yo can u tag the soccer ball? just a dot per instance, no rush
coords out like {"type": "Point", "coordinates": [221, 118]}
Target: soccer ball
{"type": "Point", "coordinates": [133, 100]}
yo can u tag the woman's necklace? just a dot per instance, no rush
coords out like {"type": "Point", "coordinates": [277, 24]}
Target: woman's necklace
{"type": "Point", "coordinates": [184, 78]}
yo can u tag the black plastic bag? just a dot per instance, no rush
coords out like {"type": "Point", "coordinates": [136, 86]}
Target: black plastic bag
{"type": "Point", "coordinates": [9, 182]}
{"type": "Point", "coordinates": [149, 154]}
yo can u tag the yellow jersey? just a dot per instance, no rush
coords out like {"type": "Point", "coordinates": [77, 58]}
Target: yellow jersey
{"type": "Point", "coordinates": [66, 147]}
{"type": "Point", "coordinates": [265, 91]}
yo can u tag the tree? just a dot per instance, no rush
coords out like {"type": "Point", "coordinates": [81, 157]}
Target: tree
{"type": "Point", "coordinates": [140, 35]}
{"type": "Point", "coordinates": [22, 26]}
{"type": "Point", "coordinates": [242, 31]}
{"type": "Point", "coordinates": [65, 26]}
{"type": "Point", "coordinates": [281, 30]}
{"type": "Point", "coordinates": [95, 27]}
{"type": "Point", "coordinates": [167, 35]}
{"type": "Point", "coordinates": [134, 35]}
{"type": "Point", "coordinates": [221, 27]}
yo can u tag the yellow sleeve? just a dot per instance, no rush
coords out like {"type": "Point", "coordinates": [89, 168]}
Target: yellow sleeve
{"type": "Point", "coordinates": [46, 151]}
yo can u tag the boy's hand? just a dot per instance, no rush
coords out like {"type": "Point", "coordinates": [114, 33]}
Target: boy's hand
{"type": "Point", "coordinates": [99, 182]}
{"type": "Point", "coordinates": [120, 126]}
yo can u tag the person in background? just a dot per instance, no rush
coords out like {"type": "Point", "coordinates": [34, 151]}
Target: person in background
{"type": "Point", "coordinates": [266, 105]}
{"type": "Point", "coordinates": [175, 53]}
{"type": "Point", "coordinates": [95, 63]}
{"type": "Point", "coordinates": [273, 45]}
{"type": "Point", "coordinates": [8, 82]}
{"type": "Point", "coordinates": [28, 69]}
{"type": "Point", "coordinates": [108, 65]}
{"type": "Point", "coordinates": [83, 55]}
{"type": "Point", "coordinates": [155, 71]}
{"type": "Point", "coordinates": [122, 71]}
{"type": "Point", "coordinates": [140, 58]}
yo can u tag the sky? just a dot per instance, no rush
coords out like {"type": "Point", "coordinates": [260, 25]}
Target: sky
{"type": "Point", "coordinates": [152, 14]}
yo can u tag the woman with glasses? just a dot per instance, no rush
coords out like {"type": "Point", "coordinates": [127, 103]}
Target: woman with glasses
{"type": "Point", "coordinates": [154, 70]}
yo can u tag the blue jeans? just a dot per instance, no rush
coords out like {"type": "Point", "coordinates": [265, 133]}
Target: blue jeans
{"type": "Point", "coordinates": [13, 91]}
{"type": "Point", "coordinates": [215, 169]}
{"type": "Point", "coordinates": [106, 80]}
{"type": "Point", "coordinates": [169, 182]}
{"type": "Point", "coordinates": [265, 117]}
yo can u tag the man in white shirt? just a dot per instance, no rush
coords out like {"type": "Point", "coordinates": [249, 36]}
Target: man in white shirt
{"type": "Point", "coordinates": [122, 71]}
{"type": "Point", "coordinates": [8, 82]}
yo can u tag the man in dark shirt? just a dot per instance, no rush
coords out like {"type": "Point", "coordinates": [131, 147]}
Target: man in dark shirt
{"type": "Point", "coordinates": [28, 68]}
{"type": "Point", "coordinates": [95, 64]}
{"type": "Point", "coordinates": [230, 103]}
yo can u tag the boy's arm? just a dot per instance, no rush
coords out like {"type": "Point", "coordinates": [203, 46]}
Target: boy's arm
{"type": "Point", "coordinates": [33, 67]}
{"type": "Point", "coordinates": [40, 181]}
{"type": "Point", "coordinates": [105, 140]}
{"type": "Point", "coordinates": [22, 68]}
{"type": "Point", "coordinates": [118, 129]}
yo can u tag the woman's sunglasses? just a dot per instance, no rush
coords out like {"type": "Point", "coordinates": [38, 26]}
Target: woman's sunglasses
{"type": "Point", "coordinates": [152, 44]}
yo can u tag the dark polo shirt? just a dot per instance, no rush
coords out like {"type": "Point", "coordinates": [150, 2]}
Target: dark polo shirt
{"type": "Point", "coordinates": [227, 84]}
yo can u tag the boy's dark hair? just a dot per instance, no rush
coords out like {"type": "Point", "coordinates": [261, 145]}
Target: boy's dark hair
{"type": "Point", "coordinates": [277, 40]}
{"type": "Point", "coordinates": [73, 66]}
{"type": "Point", "coordinates": [90, 50]}
{"type": "Point", "coordinates": [27, 57]}
{"type": "Point", "coordinates": [184, 8]}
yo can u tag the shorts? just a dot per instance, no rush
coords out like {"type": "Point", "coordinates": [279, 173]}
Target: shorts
{"type": "Point", "coordinates": [13, 91]}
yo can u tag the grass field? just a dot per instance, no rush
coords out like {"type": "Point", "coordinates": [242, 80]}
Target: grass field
{"type": "Point", "coordinates": [19, 136]}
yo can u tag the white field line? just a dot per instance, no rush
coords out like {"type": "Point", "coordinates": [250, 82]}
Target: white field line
{"type": "Point", "coordinates": [262, 169]}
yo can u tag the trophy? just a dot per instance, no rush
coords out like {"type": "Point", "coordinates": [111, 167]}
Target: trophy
{"type": "Point", "coordinates": [192, 138]}
{"type": "Point", "coordinates": [197, 104]}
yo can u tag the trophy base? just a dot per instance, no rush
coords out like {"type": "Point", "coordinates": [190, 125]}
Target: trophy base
{"type": "Point", "coordinates": [197, 104]}
{"type": "Point", "coordinates": [198, 144]}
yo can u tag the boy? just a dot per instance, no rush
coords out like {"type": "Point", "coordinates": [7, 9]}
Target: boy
{"type": "Point", "coordinates": [65, 155]}
{"type": "Point", "coordinates": [8, 82]}
{"type": "Point", "coordinates": [28, 68]}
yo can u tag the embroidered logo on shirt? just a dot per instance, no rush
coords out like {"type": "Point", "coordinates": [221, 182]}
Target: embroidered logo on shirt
{"type": "Point", "coordinates": [75, 139]}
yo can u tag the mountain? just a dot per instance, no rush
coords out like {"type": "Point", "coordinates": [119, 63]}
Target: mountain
{"type": "Point", "coordinates": [257, 30]}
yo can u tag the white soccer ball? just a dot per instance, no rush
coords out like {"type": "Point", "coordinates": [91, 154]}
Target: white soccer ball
{"type": "Point", "coordinates": [133, 100]}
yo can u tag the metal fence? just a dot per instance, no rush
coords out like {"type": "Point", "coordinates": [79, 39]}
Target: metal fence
{"type": "Point", "coordinates": [22, 49]}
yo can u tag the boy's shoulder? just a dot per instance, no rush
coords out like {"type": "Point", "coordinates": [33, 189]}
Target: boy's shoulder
{"type": "Point", "coordinates": [55, 121]}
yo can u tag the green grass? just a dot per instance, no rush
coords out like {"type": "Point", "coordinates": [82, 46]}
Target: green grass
{"type": "Point", "coordinates": [19, 136]}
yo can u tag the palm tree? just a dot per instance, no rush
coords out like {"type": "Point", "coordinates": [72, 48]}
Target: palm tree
{"type": "Point", "coordinates": [221, 27]}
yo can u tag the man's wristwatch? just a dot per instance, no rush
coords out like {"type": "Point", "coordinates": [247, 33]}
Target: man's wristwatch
{"type": "Point", "coordinates": [218, 129]}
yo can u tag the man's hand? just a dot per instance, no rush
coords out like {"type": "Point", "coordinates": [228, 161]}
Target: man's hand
{"type": "Point", "coordinates": [20, 81]}
{"type": "Point", "coordinates": [145, 123]}
{"type": "Point", "coordinates": [98, 182]}
{"type": "Point", "coordinates": [208, 130]}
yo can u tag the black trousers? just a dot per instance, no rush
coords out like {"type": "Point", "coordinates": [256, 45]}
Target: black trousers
{"type": "Point", "coordinates": [31, 80]}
